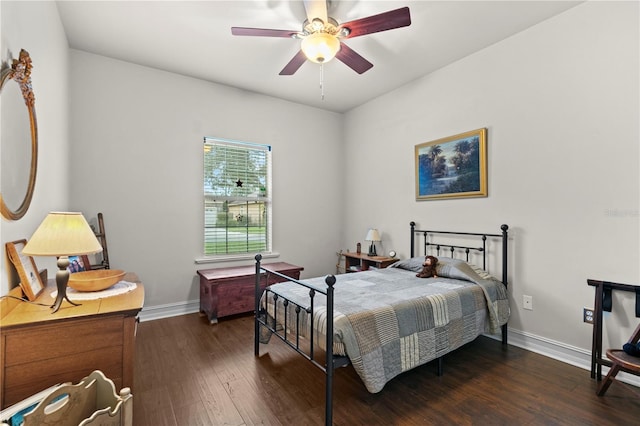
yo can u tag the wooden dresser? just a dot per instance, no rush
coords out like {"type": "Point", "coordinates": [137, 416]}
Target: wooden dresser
{"type": "Point", "coordinates": [39, 349]}
{"type": "Point", "coordinates": [230, 291]}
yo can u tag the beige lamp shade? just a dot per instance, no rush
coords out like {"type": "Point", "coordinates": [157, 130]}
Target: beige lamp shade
{"type": "Point", "coordinates": [373, 235]}
{"type": "Point", "coordinates": [62, 234]}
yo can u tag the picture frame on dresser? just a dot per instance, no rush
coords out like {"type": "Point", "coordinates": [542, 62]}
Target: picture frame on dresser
{"type": "Point", "coordinates": [452, 167]}
{"type": "Point", "coordinates": [30, 280]}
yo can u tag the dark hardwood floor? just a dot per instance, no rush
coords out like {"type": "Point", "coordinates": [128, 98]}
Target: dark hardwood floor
{"type": "Point", "coordinates": [188, 372]}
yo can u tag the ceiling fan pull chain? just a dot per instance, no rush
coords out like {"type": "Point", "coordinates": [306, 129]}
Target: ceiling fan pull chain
{"type": "Point", "coordinates": [321, 82]}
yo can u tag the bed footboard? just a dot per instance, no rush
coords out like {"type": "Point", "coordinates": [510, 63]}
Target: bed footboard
{"type": "Point", "coordinates": [283, 332]}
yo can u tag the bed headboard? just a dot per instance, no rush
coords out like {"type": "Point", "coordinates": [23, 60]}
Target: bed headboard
{"type": "Point", "coordinates": [432, 238]}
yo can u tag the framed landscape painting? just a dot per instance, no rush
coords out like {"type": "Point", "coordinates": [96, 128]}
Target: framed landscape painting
{"type": "Point", "coordinates": [452, 167]}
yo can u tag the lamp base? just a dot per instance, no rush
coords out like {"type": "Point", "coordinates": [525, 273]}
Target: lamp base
{"type": "Point", "coordinates": [62, 278]}
{"type": "Point", "coordinates": [372, 250]}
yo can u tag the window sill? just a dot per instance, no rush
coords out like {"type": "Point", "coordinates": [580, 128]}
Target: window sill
{"type": "Point", "coordinates": [234, 258]}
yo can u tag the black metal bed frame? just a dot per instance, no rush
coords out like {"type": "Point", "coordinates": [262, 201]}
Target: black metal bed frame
{"type": "Point", "coordinates": [331, 361]}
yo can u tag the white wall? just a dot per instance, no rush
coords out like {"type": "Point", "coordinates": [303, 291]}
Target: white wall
{"type": "Point", "coordinates": [137, 136]}
{"type": "Point", "coordinates": [36, 27]}
{"type": "Point", "coordinates": [561, 104]}
{"type": "Point", "coordinates": [560, 101]}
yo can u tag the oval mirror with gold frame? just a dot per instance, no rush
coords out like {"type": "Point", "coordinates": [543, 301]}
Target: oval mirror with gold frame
{"type": "Point", "coordinates": [18, 157]}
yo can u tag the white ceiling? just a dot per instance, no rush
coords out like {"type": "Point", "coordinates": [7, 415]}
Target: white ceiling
{"type": "Point", "coordinates": [193, 38]}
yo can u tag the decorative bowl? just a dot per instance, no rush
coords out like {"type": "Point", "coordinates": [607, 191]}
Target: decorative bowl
{"type": "Point", "coordinates": [95, 280]}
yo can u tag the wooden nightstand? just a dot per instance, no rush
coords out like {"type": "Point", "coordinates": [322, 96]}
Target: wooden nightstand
{"type": "Point", "coordinates": [357, 262]}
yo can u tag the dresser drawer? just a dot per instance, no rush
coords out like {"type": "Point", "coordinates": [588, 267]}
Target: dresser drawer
{"type": "Point", "coordinates": [27, 379]}
{"type": "Point", "coordinates": [41, 343]}
{"type": "Point", "coordinates": [44, 355]}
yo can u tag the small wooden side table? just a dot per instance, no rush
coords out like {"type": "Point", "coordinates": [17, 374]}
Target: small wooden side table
{"type": "Point", "coordinates": [357, 262]}
{"type": "Point", "coordinates": [230, 291]}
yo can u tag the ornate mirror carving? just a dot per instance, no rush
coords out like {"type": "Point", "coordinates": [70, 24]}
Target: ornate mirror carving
{"type": "Point", "coordinates": [18, 138]}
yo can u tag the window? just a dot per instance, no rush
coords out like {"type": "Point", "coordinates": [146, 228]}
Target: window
{"type": "Point", "coordinates": [237, 197]}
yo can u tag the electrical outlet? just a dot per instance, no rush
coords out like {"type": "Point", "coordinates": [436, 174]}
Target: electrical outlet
{"type": "Point", "coordinates": [587, 315]}
{"type": "Point", "coordinates": [527, 302]}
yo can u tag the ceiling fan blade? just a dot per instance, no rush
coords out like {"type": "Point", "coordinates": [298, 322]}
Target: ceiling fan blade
{"type": "Point", "coordinates": [316, 9]}
{"type": "Point", "coordinates": [352, 59]}
{"type": "Point", "coordinates": [294, 64]}
{"type": "Point", "coordinates": [373, 24]}
{"type": "Point", "coordinates": [262, 32]}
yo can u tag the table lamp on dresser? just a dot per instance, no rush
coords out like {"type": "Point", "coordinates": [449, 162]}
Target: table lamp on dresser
{"type": "Point", "coordinates": [62, 234]}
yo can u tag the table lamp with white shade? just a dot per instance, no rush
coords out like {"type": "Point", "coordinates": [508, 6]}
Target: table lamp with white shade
{"type": "Point", "coordinates": [373, 235]}
{"type": "Point", "coordinates": [62, 234]}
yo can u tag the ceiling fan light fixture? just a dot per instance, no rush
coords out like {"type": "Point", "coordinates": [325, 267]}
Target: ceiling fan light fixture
{"type": "Point", "coordinates": [320, 47]}
{"type": "Point", "coordinates": [317, 24]}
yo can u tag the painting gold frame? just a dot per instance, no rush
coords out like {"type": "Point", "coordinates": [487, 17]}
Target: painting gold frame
{"type": "Point", "coordinates": [30, 280]}
{"type": "Point", "coordinates": [452, 167]}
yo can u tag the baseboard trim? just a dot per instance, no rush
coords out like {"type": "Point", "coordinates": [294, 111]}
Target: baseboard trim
{"type": "Point", "coordinates": [569, 354]}
{"type": "Point", "coordinates": [550, 348]}
{"type": "Point", "coordinates": [563, 352]}
{"type": "Point", "coordinates": [150, 313]}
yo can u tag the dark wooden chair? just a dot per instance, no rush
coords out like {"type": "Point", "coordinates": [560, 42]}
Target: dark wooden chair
{"type": "Point", "coordinates": [102, 258]}
{"type": "Point", "coordinates": [621, 361]}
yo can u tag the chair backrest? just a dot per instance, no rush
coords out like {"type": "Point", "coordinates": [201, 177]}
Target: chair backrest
{"type": "Point", "coordinates": [635, 337]}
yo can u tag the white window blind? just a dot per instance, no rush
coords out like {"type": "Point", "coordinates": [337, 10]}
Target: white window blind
{"type": "Point", "coordinates": [237, 197]}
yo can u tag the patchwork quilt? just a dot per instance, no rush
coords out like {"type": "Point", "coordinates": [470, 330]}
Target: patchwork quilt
{"type": "Point", "coordinates": [388, 321]}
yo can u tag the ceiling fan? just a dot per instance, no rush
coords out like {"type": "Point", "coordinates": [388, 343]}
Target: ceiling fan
{"type": "Point", "coordinates": [322, 35]}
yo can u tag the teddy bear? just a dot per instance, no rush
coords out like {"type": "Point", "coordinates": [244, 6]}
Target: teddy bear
{"type": "Point", "coordinates": [428, 267]}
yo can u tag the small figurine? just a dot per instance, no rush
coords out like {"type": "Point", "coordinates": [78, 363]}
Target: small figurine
{"type": "Point", "coordinates": [428, 268]}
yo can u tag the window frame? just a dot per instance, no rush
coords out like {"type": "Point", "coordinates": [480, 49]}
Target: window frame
{"type": "Point", "coordinates": [225, 194]}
